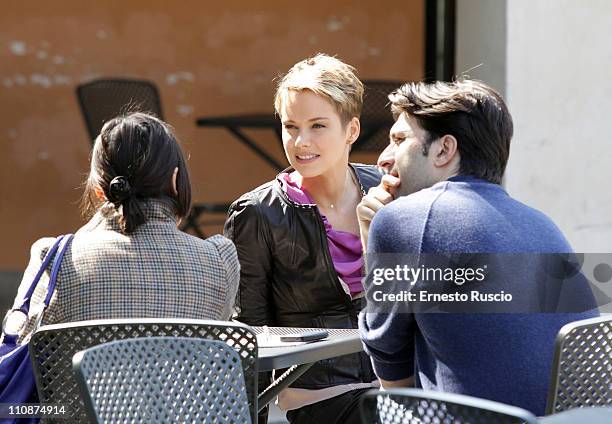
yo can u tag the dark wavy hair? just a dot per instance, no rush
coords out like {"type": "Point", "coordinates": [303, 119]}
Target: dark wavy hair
{"type": "Point", "coordinates": [133, 160]}
{"type": "Point", "coordinates": [472, 112]}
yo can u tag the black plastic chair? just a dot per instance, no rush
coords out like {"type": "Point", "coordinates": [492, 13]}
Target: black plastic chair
{"type": "Point", "coordinates": [162, 379]}
{"type": "Point", "coordinates": [413, 406]}
{"type": "Point", "coordinates": [52, 348]}
{"type": "Point", "coordinates": [103, 99]}
{"type": "Point", "coordinates": [375, 116]}
{"type": "Point", "coordinates": [416, 406]}
{"type": "Point", "coordinates": [582, 366]}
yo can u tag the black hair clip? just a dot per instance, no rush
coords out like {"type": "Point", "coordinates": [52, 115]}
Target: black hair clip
{"type": "Point", "coordinates": [119, 189]}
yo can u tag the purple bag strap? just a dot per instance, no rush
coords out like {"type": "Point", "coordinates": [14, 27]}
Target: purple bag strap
{"type": "Point", "coordinates": [25, 306]}
{"type": "Point", "coordinates": [65, 243]}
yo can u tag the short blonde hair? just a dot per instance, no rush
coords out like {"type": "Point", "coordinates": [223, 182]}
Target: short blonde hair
{"type": "Point", "coordinates": [328, 77]}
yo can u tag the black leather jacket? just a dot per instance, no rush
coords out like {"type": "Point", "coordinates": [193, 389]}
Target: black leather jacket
{"type": "Point", "coordinates": [287, 277]}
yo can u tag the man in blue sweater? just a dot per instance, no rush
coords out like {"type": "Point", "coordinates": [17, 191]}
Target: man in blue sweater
{"type": "Point", "coordinates": [445, 162]}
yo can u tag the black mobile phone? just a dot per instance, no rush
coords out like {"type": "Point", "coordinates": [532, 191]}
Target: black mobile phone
{"type": "Point", "coordinates": [304, 336]}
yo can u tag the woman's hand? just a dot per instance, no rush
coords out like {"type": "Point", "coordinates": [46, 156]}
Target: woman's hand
{"type": "Point", "coordinates": [371, 203]}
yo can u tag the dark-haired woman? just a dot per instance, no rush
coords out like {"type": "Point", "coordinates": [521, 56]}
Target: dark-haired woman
{"type": "Point", "coordinates": [130, 260]}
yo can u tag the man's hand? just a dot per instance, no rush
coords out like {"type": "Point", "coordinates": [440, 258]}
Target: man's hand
{"type": "Point", "coordinates": [376, 198]}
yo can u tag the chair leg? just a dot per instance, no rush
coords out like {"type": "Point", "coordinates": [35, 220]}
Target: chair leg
{"type": "Point", "coordinates": [190, 222]}
{"type": "Point", "coordinates": [193, 221]}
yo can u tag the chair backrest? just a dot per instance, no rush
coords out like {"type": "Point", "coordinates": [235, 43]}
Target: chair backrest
{"type": "Point", "coordinates": [375, 111]}
{"type": "Point", "coordinates": [412, 406]}
{"type": "Point", "coordinates": [103, 99]}
{"type": "Point", "coordinates": [582, 365]}
{"type": "Point", "coordinates": [53, 346]}
{"type": "Point", "coordinates": [162, 379]}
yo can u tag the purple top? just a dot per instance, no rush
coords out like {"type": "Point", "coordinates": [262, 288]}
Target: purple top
{"type": "Point", "coordinates": [344, 247]}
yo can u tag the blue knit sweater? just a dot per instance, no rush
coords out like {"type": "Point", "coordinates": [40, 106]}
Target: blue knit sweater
{"type": "Point", "coordinates": [503, 357]}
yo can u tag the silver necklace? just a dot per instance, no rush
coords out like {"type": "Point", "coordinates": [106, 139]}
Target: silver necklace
{"type": "Point", "coordinates": [353, 180]}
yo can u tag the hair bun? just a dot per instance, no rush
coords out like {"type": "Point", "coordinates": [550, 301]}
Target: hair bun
{"type": "Point", "coordinates": [119, 189]}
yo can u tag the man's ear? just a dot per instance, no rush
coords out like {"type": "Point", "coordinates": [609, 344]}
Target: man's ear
{"type": "Point", "coordinates": [353, 130]}
{"type": "Point", "coordinates": [446, 148]}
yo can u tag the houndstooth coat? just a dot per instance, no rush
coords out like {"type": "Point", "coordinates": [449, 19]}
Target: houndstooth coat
{"type": "Point", "coordinates": [155, 272]}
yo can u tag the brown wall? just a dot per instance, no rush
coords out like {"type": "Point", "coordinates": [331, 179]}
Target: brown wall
{"type": "Point", "coordinates": [207, 58]}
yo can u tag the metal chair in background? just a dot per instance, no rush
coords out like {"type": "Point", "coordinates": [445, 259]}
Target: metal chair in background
{"type": "Point", "coordinates": [103, 99]}
{"type": "Point", "coordinates": [582, 366]}
{"type": "Point", "coordinates": [52, 348]}
{"type": "Point", "coordinates": [162, 379]}
{"type": "Point", "coordinates": [193, 222]}
{"type": "Point", "coordinates": [412, 406]}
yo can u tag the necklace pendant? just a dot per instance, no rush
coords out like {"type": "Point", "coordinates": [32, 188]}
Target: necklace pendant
{"type": "Point", "coordinates": [331, 206]}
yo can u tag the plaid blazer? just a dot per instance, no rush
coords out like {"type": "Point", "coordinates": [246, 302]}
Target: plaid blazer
{"type": "Point", "coordinates": [155, 272]}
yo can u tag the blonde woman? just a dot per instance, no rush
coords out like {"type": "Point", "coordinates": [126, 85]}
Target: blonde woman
{"type": "Point", "coordinates": [298, 237]}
